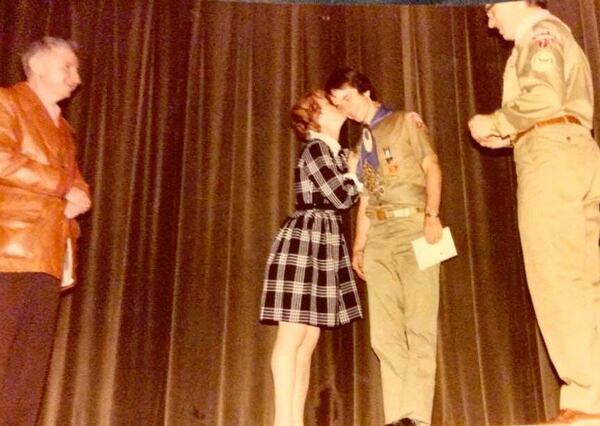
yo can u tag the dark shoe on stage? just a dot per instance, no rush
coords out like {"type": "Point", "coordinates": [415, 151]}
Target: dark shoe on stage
{"type": "Point", "coordinates": [403, 422]}
{"type": "Point", "coordinates": [567, 416]}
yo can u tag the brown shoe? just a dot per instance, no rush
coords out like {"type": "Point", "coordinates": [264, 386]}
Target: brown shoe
{"type": "Point", "coordinates": [567, 416]}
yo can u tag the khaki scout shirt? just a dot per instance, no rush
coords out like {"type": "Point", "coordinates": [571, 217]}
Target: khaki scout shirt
{"type": "Point", "coordinates": [402, 142]}
{"type": "Point", "coordinates": [546, 76]}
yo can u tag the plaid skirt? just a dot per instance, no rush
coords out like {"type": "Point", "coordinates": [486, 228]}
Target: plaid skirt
{"type": "Point", "coordinates": [309, 276]}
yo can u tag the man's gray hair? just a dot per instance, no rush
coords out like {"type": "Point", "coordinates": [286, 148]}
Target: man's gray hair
{"type": "Point", "coordinates": [44, 45]}
{"type": "Point", "coordinates": [539, 3]}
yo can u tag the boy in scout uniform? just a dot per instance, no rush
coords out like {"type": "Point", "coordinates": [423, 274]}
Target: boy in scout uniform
{"type": "Point", "coordinates": [402, 181]}
{"type": "Point", "coordinates": [546, 116]}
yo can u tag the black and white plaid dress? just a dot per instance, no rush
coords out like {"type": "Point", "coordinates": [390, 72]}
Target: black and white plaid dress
{"type": "Point", "coordinates": [309, 276]}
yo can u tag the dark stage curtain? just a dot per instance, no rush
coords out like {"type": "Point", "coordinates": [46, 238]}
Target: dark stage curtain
{"type": "Point", "coordinates": [184, 136]}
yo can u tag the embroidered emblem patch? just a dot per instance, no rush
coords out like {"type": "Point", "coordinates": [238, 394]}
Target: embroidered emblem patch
{"type": "Point", "coordinates": [367, 139]}
{"type": "Point", "coordinates": [417, 119]}
{"type": "Point", "coordinates": [392, 165]}
{"type": "Point", "coordinates": [393, 169]}
{"type": "Point", "coordinates": [542, 61]}
{"type": "Point", "coordinates": [544, 38]}
{"type": "Point", "coordinates": [387, 153]}
{"type": "Point", "coordinates": [372, 181]}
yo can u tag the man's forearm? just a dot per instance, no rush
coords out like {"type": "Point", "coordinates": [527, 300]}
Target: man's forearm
{"type": "Point", "coordinates": [362, 225]}
{"type": "Point", "coordinates": [433, 184]}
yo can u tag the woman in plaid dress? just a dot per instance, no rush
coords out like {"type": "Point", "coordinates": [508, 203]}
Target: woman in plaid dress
{"type": "Point", "coordinates": [309, 281]}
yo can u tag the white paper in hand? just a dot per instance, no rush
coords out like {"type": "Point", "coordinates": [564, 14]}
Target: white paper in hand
{"type": "Point", "coordinates": [430, 254]}
{"type": "Point", "coordinates": [67, 280]}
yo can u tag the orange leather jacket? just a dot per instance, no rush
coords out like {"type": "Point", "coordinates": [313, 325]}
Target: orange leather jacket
{"type": "Point", "coordinates": [37, 168]}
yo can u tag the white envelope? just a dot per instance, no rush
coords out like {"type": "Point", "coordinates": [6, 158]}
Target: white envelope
{"type": "Point", "coordinates": [431, 254]}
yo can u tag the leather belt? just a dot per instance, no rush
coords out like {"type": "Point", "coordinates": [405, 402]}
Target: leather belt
{"type": "Point", "coordinates": [383, 214]}
{"type": "Point", "coordinates": [550, 122]}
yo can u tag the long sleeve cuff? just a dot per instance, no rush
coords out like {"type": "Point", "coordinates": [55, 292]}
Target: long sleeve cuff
{"type": "Point", "coordinates": [353, 177]}
{"type": "Point", "coordinates": [502, 125]}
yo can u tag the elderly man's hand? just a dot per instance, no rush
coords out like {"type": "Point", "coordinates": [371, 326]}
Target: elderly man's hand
{"type": "Point", "coordinates": [78, 202]}
{"type": "Point", "coordinates": [494, 142]}
{"type": "Point", "coordinates": [481, 127]}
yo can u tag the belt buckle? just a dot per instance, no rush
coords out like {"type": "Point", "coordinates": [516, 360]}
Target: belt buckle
{"type": "Point", "coordinates": [402, 212]}
{"type": "Point", "coordinates": [380, 214]}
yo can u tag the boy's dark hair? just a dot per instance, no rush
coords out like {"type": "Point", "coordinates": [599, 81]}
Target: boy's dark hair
{"type": "Point", "coordinates": [351, 77]}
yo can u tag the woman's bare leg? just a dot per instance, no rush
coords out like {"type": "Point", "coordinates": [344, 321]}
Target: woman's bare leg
{"type": "Point", "coordinates": [303, 360]}
{"type": "Point", "coordinates": [290, 337]}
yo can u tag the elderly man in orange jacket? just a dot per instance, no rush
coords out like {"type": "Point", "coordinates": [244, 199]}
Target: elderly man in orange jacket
{"type": "Point", "coordinates": [41, 192]}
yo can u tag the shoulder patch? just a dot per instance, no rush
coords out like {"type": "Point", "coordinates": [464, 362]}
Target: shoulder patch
{"type": "Point", "coordinates": [544, 38]}
{"type": "Point", "coordinates": [417, 119]}
{"type": "Point", "coordinates": [542, 61]}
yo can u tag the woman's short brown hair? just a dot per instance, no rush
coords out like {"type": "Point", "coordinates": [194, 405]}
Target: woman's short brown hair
{"type": "Point", "coordinates": [305, 113]}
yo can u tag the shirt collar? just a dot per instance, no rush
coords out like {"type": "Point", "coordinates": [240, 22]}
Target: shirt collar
{"type": "Point", "coordinates": [53, 109]}
{"type": "Point", "coordinates": [54, 113]}
{"type": "Point", "coordinates": [332, 143]}
{"type": "Point", "coordinates": [528, 23]}
{"type": "Point", "coordinates": [380, 114]}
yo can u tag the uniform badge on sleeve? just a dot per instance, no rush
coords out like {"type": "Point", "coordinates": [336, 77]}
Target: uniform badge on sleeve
{"type": "Point", "coordinates": [542, 61]}
{"type": "Point", "coordinates": [417, 119]}
{"type": "Point", "coordinates": [544, 38]}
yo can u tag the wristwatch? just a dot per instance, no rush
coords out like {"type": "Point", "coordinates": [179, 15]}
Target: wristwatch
{"type": "Point", "coordinates": [431, 214]}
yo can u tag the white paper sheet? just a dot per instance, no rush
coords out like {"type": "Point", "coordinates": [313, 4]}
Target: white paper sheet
{"type": "Point", "coordinates": [430, 254]}
{"type": "Point", "coordinates": [67, 280]}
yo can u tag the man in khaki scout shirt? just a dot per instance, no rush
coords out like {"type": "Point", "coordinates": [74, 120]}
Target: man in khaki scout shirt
{"type": "Point", "coordinates": [402, 181]}
{"type": "Point", "coordinates": [546, 115]}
